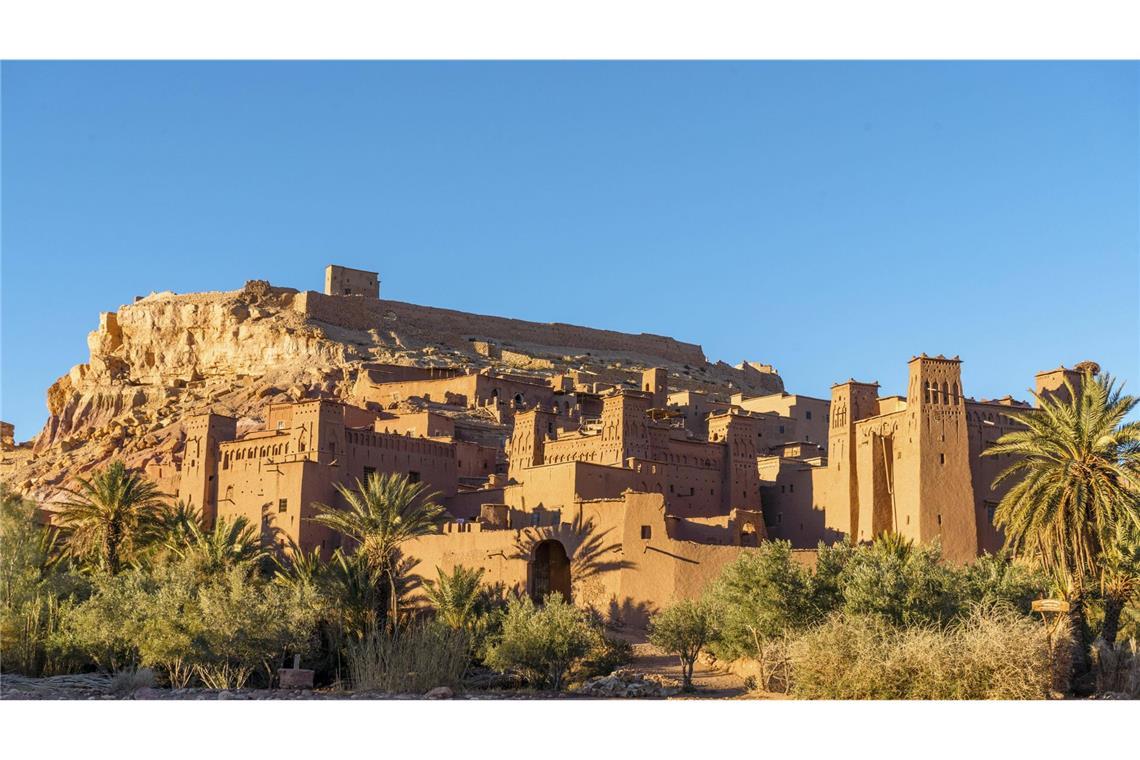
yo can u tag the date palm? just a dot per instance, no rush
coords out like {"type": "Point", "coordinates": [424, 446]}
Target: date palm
{"type": "Point", "coordinates": [1077, 479]}
{"type": "Point", "coordinates": [382, 513]}
{"type": "Point", "coordinates": [110, 515]}
{"type": "Point", "coordinates": [229, 544]}
{"type": "Point", "coordinates": [456, 596]}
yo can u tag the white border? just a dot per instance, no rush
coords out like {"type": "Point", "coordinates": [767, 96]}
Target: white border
{"type": "Point", "coordinates": [532, 29]}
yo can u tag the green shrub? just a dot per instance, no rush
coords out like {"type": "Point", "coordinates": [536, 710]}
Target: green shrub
{"type": "Point", "coordinates": [904, 583]}
{"type": "Point", "coordinates": [606, 654]}
{"type": "Point", "coordinates": [684, 629]}
{"type": "Point", "coordinates": [37, 589]}
{"type": "Point", "coordinates": [411, 660]}
{"type": "Point", "coordinates": [994, 652]}
{"type": "Point", "coordinates": [997, 579]}
{"type": "Point", "coordinates": [542, 643]}
{"type": "Point", "coordinates": [760, 599]}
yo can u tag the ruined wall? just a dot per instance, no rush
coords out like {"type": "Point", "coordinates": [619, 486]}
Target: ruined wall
{"type": "Point", "coordinates": [424, 325]}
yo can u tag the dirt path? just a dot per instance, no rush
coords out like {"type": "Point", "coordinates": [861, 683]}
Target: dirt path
{"type": "Point", "coordinates": [710, 681]}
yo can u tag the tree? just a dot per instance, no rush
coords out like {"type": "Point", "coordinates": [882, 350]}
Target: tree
{"type": "Point", "coordinates": [231, 543]}
{"type": "Point", "coordinates": [384, 512]}
{"type": "Point", "coordinates": [457, 596]}
{"type": "Point", "coordinates": [1120, 579]}
{"type": "Point", "coordinates": [1077, 479]}
{"type": "Point", "coordinates": [760, 595]}
{"type": "Point", "coordinates": [110, 515]}
{"type": "Point", "coordinates": [683, 629]}
{"type": "Point", "coordinates": [901, 582]}
{"type": "Point", "coordinates": [542, 642]}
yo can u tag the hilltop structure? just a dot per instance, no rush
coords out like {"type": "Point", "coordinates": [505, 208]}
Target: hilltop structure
{"type": "Point", "coordinates": [623, 470]}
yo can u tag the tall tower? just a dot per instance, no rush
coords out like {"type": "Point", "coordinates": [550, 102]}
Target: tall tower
{"type": "Point", "coordinates": [933, 483]}
{"type": "Point", "coordinates": [625, 426]}
{"type": "Point", "coordinates": [655, 381]}
{"type": "Point", "coordinates": [198, 475]}
{"type": "Point", "coordinates": [850, 402]}
{"type": "Point", "coordinates": [1052, 383]}
{"type": "Point", "coordinates": [741, 483]}
{"type": "Point", "coordinates": [528, 440]}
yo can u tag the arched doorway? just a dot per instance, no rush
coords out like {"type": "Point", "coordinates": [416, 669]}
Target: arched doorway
{"type": "Point", "coordinates": [549, 571]}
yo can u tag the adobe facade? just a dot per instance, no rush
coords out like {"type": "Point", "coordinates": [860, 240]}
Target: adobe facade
{"type": "Point", "coordinates": [611, 486]}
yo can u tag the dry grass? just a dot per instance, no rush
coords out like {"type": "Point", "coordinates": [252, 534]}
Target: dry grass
{"type": "Point", "coordinates": [993, 653]}
{"type": "Point", "coordinates": [127, 682]}
{"type": "Point", "coordinates": [419, 657]}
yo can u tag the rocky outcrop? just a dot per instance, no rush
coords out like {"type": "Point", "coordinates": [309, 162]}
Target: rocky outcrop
{"type": "Point", "coordinates": [166, 356]}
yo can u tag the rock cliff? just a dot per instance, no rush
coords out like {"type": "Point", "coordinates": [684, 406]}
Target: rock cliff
{"type": "Point", "coordinates": [167, 356]}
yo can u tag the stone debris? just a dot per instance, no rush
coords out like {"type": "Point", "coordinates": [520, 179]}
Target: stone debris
{"type": "Point", "coordinates": [625, 683]}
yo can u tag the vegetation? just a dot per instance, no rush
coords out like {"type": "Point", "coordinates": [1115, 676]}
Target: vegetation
{"type": "Point", "coordinates": [542, 642]}
{"type": "Point", "coordinates": [110, 516]}
{"type": "Point", "coordinates": [411, 659]}
{"type": "Point", "coordinates": [684, 629]}
{"type": "Point", "coordinates": [384, 512]}
{"type": "Point", "coordinates": [1076, 495]}
{"type": "Point", "coordinates": [993, 652]}
{"type": "Point", "coordinates": [132, 585]}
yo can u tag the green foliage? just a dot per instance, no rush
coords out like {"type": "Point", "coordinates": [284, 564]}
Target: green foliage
{"type": "Point", "coordinates": [901, 582]}
{"type": "Point", "coordinates": [456, 597]}
{"type": "Point", "coordinates": [759, 597]}
{"type": "Point", "coordinates": [684, 629]}
{"type": "Point", "coordinates": [1077, 473]}
{"type": "Point", "coordinates": [994, 652]}
{"type": "Point", "coordinates": [541, 642]}
{"type": "Point", "coordinates": [36, 589]}
{"type": "Point", "coordinates": [111, 517]}
{"type": "Point", "coordinates": [247, 624]}
{"type": "Point", "coordinates": [410, 659]}
{"type": "Point", "coordinates": [997, 579]}
{"type": "Point", "coordinates": [384, 512]}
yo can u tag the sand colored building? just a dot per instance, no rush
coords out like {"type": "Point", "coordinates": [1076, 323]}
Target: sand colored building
{"type": "Point", "coordinates": [609, 485]}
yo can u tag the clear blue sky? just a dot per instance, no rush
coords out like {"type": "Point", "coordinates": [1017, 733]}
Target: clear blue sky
{"type": "Point", "coordinates": [832, 219]}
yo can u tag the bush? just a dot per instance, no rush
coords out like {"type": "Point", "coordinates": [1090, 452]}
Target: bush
{"type": "Point", "coordinates": [606, 655]}
{"type": "Point", "coordinates": [760, 599]}
{"type": "Point", "coordinates": [36, 590]}
{"type": "Point", "coordinates": [413, 659]}
{"type": "Point", "coordinates": [901, 582]}
{"type": "Point", "coordinates": [997, 579]}
{"type": "Point", "coordinates": [684, 629]}
{"type": "Point", "coordinates": [542, 643]}
{"type": "Point", "coordinates": [127, 682]}
{"type": "Point", "coordinates": [994, 652]}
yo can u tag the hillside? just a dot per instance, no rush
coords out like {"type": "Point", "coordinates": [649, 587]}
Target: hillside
{"type": "Point", "coordinates": [166, 355]}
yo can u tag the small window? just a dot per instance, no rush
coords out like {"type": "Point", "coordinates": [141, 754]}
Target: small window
{"type": "Point", "coordinates": [646, 532]}
{"type": "Point", "coordinates": [807, 414]}
{"type": "Point", "coordinates": [791, 488]}
{"type": "Point", "coordinates": [413, 476]}
{"type": "Point", "coordinates": [939, 519]}
{"type": "Point", "coordinates": [369, 472]}
{"type": "Point", "coordinates": [282, 505]}
{"type": "Point", "coordinates": [941, 459]}
{"type": "Point", "coordinates": [280, 424]}
{"type": "Point", "coordinates": [781, 428]}
{"type": "Point", "coordinates": [991, 511]}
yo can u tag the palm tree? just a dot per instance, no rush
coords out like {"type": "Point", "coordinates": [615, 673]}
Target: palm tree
{"type": "Point", "coordinates": [176, 523]}
{"type": "Point", "coordinates": [229, 544]}
{"type": "Point", "coordinates": [1120, 579]}
{"type": "Point", "coordinates": [110, 514]}
{"type": "Point", "coordinates": [384, 512]}
{"type": "Point", "coordinates": [1077, 471]}
{"type": "Point", "coordinates": [456, 596]}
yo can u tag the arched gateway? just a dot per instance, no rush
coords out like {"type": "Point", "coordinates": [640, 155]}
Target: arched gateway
{"type": "Point", "coordinates": [549, 571]}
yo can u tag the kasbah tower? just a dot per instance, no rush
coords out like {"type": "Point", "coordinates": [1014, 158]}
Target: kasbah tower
{"type": "Point", "coordinates": [607, 483]}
